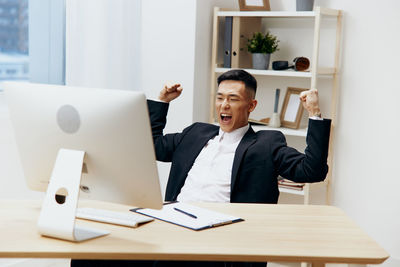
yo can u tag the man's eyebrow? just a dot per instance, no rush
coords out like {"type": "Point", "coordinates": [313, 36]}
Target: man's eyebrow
{"type": "Point", "coordinates": [231, 95]}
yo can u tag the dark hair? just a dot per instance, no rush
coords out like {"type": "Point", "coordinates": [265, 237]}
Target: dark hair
{"type": "Point", "coordinates": [239, 75]}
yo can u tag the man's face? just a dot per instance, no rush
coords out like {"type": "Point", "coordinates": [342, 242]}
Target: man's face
{"type": "Point", "coordinates": [233, 105]}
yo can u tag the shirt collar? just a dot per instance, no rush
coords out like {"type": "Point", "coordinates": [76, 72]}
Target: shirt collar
{"type": "Point", "coordinates": [234, 136]}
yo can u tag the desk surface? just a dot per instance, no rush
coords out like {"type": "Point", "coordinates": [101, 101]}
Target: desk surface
{"type": "Point", "coordinates": [319, 234]}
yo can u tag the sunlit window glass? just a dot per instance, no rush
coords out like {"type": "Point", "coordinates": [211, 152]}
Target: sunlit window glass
{"type": "Point", "coordinates": [14, 45]}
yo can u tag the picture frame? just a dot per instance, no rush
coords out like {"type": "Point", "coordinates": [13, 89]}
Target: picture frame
{"type": "Point", "coordinates": [292, 108]}
{"type": "Point", "coordinates": [254, 5]}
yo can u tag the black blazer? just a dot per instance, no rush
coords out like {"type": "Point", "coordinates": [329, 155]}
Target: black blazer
{"type": "Point", "coordinates": [260, 157]}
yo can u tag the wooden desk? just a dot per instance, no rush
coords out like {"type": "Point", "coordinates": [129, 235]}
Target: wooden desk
{"type": "Point", "coordinates": [280, 233]}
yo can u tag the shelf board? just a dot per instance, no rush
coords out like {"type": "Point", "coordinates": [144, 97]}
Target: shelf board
{"type": "Point", "coordinates": [285, 131]}
{"type": "Point", "coordinates": [329, 11]}
{"type": "Point", "coordinates": [281, 14]}
{"type": "Point", "coordinates": [291, 191]}
{"type": "Point", "coordinates": [270, 14]}
{"type": "Point", "coordinates": [283, 73]}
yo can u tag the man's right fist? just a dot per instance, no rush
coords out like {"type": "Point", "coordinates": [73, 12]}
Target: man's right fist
{"type": "Point", "coordinates": [170, 91]}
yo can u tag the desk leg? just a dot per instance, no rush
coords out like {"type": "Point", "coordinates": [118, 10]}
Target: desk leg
{"type": "Point", "coordinates": [317, 264]}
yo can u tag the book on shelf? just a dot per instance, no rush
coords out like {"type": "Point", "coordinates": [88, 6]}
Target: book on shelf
{"type": "Point", "coordinates": [243, 29]}
{"type": "Point", "coordinates": [237, 30]}
{"type": "Point", "coordinates": [228, 42]}
{"type": "Point", "coordinates": [291, 187]}
{"type": "Point", "coordinates": [285, 183]}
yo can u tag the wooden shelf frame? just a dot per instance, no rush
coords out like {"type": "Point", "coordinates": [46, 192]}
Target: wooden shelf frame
{"type": "Point", "coordinates": [314, 73]}
{"type": "Point", "coordinates": [285, 73]}
{"type": "Point", "coordinates": [281, 14]}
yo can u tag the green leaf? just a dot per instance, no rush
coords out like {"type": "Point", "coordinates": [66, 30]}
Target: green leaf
{"type": "Point", "coordinates": [260, 43]}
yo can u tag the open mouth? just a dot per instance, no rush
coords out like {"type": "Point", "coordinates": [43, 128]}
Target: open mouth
{"type": "Point", "coordinates": [225, 117]}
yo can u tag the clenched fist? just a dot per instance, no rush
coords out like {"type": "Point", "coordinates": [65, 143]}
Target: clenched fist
{"type": "Point", "coordinates": [170, 91]}
{"type": "Point", "coordinates": [310, 102]}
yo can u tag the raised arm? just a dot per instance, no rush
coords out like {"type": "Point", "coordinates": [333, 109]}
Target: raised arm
{"type": "Point", "coordinates": [311, 166]}
{"type": "Point", "coordinates": [310, 102]}
{"type": "Point", "coordinates": [164, 144]}
{"type": "Point", "coordinates": [170, 91]}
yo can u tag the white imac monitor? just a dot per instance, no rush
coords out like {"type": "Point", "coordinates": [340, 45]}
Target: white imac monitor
{"type": "Point", "coordinates": [95, 143]}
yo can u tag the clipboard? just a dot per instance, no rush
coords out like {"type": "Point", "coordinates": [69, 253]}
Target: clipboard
{"type": "Point", "coordinates": [189, 216]}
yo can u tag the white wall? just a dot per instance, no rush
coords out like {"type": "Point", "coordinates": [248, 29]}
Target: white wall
{"type": "Point", "coordinates": [102, 44]}
{"type": "Point", "coordinates": [168, 41]}
{"type": "Point", "coordinates": [176, 46]}
{"type": "Point", "coordinates": [366, 175]}
{"type": "Point", "coordinates": [168, 45]}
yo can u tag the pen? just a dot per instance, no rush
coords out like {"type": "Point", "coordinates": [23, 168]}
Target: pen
{"type": "Point", "coordinates": [186, 213]}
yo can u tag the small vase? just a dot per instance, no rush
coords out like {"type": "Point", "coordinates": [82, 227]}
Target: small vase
{"type": "Point", "coordinates": [275, 121]}
{"type": "Point", "coordinates": [261, 61]}
{"type": "Point", "coordinates": [304, 5]}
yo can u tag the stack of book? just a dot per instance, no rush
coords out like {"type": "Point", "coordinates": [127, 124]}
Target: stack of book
{"type": "Point", "coordinates": [285, 183]}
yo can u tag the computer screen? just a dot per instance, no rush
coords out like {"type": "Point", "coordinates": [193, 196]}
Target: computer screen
{"type": "Point", "coordinates": [112, 127]}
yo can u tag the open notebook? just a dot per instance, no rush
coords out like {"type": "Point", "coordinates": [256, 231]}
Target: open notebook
{"type": "Point", "coordinates": [189, 216]}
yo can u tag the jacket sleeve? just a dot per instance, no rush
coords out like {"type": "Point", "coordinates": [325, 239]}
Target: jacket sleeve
{"type": "Point", "coordinates": [308, 167]}
{"type": "Point", "coordinates": [164, 145]}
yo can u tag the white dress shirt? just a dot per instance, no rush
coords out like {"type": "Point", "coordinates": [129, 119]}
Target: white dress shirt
{"type": "Point", "coordinates": [209, 179]}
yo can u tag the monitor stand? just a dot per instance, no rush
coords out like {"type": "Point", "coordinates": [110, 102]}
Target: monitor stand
{"type": "Point", "coordinates": [57, 217]}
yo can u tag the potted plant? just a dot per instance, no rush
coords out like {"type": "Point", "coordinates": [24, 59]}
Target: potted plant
{"type": "Point", "coordinates": [262, 46]}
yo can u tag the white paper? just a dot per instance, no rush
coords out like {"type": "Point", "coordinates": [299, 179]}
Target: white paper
{"type": "Point", "coordinates": [292, 108]}
{"type": "Point", "coordinates": [205, 217]}
{"type": "Point", "coordinates": [254, 3]}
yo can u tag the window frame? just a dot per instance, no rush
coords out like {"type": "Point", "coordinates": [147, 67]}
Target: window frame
{"type": "Point", "coordinates": [47, 41]}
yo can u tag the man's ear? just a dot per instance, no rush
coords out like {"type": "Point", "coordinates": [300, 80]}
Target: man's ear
{"type": "Point", "coordinates": [252, 105]}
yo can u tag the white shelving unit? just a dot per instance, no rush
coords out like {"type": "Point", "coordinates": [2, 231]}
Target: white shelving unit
{"type": "Point", "coordinates": [315, 72]}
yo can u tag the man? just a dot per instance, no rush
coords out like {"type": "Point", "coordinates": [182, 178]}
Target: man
{"type": "Point", "coordinates": [231, 162]}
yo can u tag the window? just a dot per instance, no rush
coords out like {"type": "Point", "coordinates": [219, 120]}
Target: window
{"type": "Point", "coordinates": [32, 41]}
{"type": "Point", "coordinates": [14, 40]}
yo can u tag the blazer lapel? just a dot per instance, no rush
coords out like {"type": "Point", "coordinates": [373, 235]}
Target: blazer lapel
{"type": "Point", "coordinates": [200, 143]}
{"type": "Point", "coordinates": [248, 139]}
